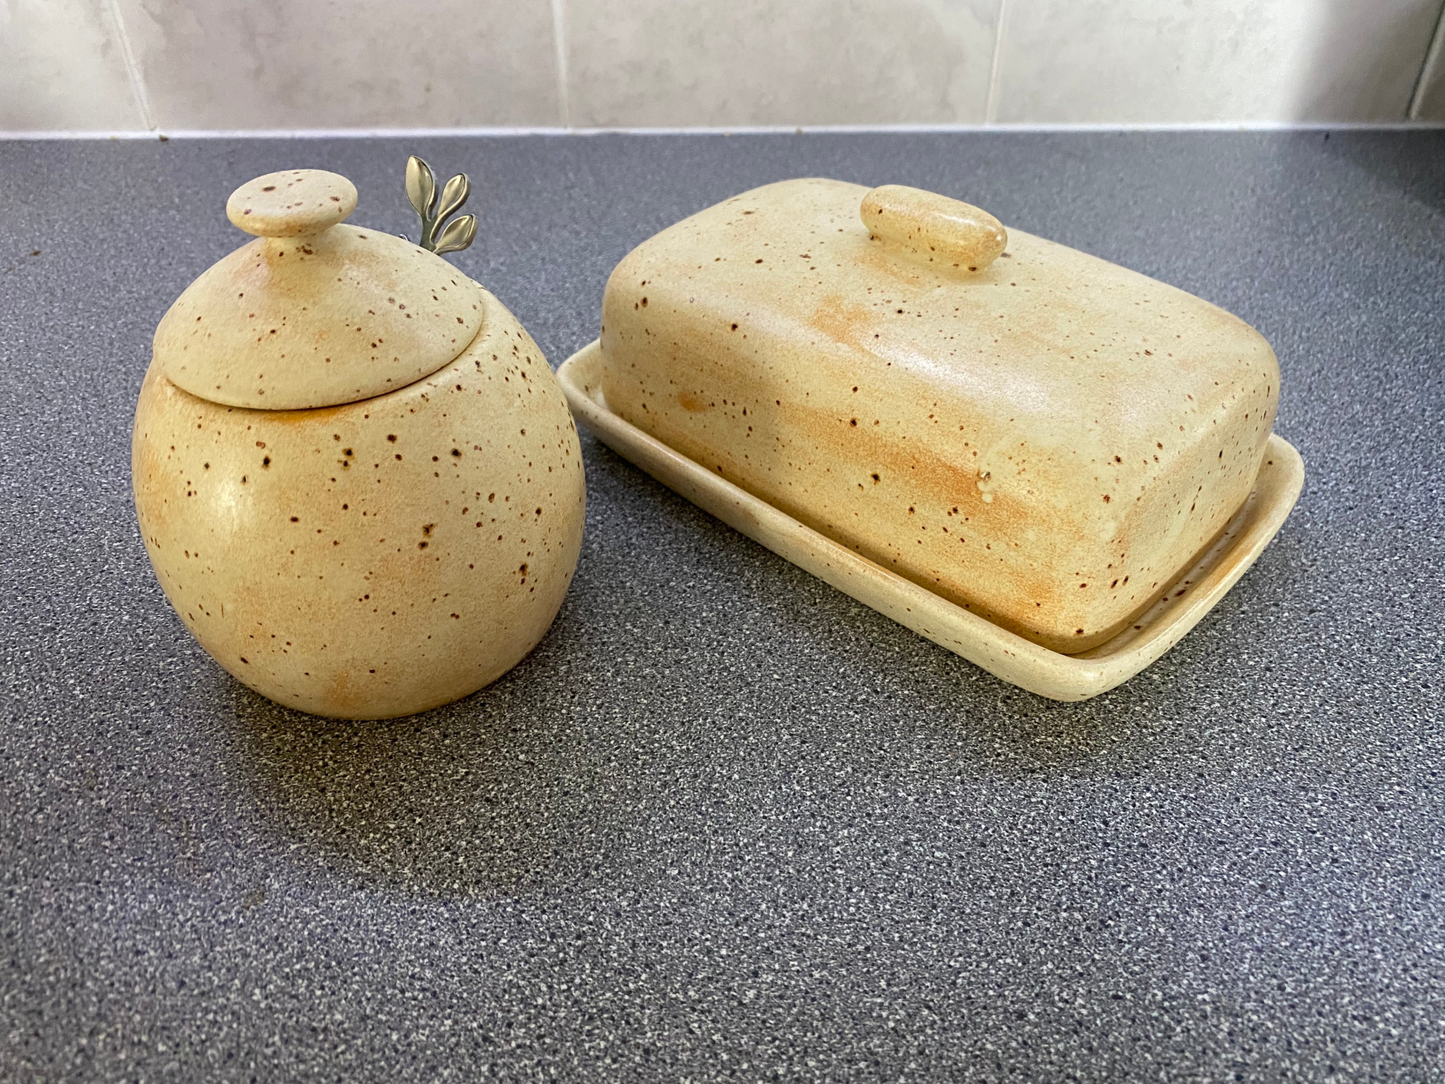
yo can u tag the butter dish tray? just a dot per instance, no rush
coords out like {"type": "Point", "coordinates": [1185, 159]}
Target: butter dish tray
{"type": "Point", "coordinates": [1005, 654]}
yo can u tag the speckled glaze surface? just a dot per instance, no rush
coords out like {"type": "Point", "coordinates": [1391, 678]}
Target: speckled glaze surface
{"type": "Point", "coordinates": [1045, 438]}
{"type": "Point", "coordinates": [313, 312]}
{"type": "Point", "coordinates": [374, 558]}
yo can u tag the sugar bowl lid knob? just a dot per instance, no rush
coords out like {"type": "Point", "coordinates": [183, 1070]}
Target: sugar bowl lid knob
{"type": "Point", "coordinates": [291, 203]}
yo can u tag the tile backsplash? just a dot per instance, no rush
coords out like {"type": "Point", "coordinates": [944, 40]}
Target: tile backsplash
{"type": "Point", "coordinates": [355, 64]}
{"type": "Point", "coordinates": [63, 66]}
{"type": "Point", "coordinates": [173, 65]}
{"type": "Point", "coordinates": [1147, 61]}
{"type": "Point", "coordinates": [1429, 100]}
{"type": "Point", "coordinates": [683, 63]}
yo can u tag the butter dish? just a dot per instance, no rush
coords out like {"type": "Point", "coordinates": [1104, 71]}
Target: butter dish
{"type": "Point", "coordinates": [1046, 462]}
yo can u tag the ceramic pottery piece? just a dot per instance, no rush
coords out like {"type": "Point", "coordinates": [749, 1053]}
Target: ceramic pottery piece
{"type": "Point", "coordinates": [357, 478]}
{"type": "Point", "coordinates": [1040, 440]}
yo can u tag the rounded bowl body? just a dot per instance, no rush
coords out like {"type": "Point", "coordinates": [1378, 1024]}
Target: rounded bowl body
{"type": "Point", "coordinates": [373, 559]}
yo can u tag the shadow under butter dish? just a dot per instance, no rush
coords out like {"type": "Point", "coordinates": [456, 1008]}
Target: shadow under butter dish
{"type": "Point", "coordinates": [373, 558]}
{"type": "Point", "coordinates": [1041, 438]}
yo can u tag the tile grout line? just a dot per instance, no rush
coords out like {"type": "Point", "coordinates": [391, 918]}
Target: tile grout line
{"type": "Point", "coordinates": [559, 44]}
{"type": "Point", "coordinates": [995, 70]}
{"type": "Point", "coordinates": [132, 69]}
{"type": "Point", "coordinates": [1434, 56]}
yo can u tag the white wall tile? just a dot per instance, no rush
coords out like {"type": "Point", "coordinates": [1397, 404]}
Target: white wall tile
{"type": "Point", "coordinates": [346, 63]}
{"type": "Point", "coordinates": [1429, 101]}
{"type": "Point", "coordinates": [62, 67]}
{"type": "Point", "coordinates": [1365, 58]}
{"type": "Point", "coordinates": [1204, 60]}
{"type": "Point", "coordinates": [720, 63]}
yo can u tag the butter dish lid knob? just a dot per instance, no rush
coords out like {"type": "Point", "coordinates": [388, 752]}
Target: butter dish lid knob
{"type": "Point", "coordinates": [291, 203]}
{"type": "Point", "coordinates": [932, 228]}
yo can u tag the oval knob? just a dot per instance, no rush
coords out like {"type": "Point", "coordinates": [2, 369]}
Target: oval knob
{"type": "Point", "coordinates": [291, 203]}
{"type": "Point", "coordinates": [933, 228]}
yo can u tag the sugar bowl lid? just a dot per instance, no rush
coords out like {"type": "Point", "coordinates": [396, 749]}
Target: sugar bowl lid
{"type": "Point", "coordinates": [316, 312]}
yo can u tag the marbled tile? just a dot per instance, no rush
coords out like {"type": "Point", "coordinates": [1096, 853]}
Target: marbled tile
{"type": "Point", "coordinates": [369, 63]}
{"type": "Point", "coordinates": [754, 62]}
{"type": "Point", "coordinates": [1429, 101]}
{"type": "Point", "coordinates": [62, 67]}
{"type": "Point", "coordinates": [1246, 60]}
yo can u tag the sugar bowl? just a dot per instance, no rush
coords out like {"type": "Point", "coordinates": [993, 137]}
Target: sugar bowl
{"type": "Point", "coordinates": [355, 474]}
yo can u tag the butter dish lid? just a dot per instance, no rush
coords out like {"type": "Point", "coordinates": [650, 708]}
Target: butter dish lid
{"type": "Point", "coordinates": [1031, 432]}
{"type": "Point", "coordinates": [315, 312]}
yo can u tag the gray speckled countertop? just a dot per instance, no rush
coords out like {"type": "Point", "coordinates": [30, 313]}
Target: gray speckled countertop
{"type": "Point", "coordinates": [726, 823]}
